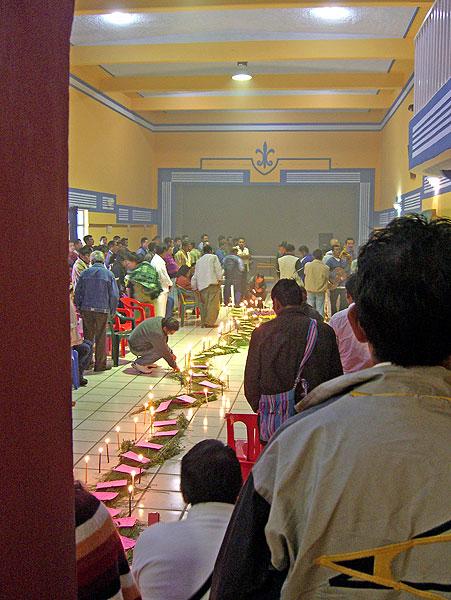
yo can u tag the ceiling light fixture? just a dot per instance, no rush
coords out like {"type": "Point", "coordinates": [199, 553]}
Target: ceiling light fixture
{"type": "Point", "coordinates": [119, 18]}
{"type": "Point", "coordinates": [242, 73]}
{"type": "Point", "coordinates": [332, 13]}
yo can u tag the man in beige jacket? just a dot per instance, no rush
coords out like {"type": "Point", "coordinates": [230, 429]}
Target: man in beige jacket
{"type": "Point", "coordinates": [316, 281]}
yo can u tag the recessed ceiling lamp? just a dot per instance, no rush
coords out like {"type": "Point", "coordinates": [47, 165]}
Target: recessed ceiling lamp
{"type": "Point", "coordinates": [332, 13]}
{"type": "Point", "coordinates": [242, 73]}
{"type": "Point", "coordinates": [119, 18]}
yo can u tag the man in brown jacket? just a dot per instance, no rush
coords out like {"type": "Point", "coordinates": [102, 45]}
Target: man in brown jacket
{"type": "Point", "coordinates": [277, 347]}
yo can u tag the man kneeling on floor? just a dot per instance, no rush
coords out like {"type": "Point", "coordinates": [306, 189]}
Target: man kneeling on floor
{"type": "Point", "coordinates": [174, 561]}
{"type": "Point", "coordinates": [149, 341]}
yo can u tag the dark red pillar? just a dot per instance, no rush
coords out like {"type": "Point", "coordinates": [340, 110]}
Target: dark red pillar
{"type": "Point", "coordinates": [36, 498]}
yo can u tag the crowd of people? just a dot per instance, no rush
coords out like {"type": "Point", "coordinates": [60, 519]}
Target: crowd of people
{"type": "Point", "coordinates": [357, 471]}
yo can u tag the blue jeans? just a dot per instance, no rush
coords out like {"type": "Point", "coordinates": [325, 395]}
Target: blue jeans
{"type": "Point", "coordinates": [316, 301]}
{"type": "Point", "coordinates": [237, 288]}
{"type": "Point", "coordinates": [84, 351]}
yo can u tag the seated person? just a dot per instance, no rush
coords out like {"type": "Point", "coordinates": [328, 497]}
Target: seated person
{"type": "Point", "coordinates": [184, 277]}
{"type": "Point", "coordinates": [174, 561]}
{"type": "Point", "coordinates": [149, 342]}
{"type": "Point", "coordinates": [102, 567]}
{"type": "Point", "coordinates": [142, 281]}
{"type": "Point", "coordinates": [257, 289]}
{"type": "Point", "coordinates": [119, 270]}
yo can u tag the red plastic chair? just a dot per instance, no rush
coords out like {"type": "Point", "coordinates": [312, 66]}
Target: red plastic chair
{"type": "Point", "coordinates": [118, 326]}
{"type": "Point", "coordinates": [248, 450]}
{"type": "Point", "coordinates": [133, 304]}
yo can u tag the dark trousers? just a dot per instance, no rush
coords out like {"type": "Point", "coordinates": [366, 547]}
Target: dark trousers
{"type": "Point", "coordinates": [94, 330]}
{"type": "Point", "coordinates": [338, 293]}
{"type": "Point", "coordinates": [84, 351]}
{"type": "Point", "coordinates": [237, 289]}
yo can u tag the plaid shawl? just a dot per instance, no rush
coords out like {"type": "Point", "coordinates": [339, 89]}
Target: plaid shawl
{"type": "Point", "coordinates": [147, 276]}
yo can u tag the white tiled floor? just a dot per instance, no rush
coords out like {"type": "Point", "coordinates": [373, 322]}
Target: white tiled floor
{"type": "Point", "coordinates": [109, 398]}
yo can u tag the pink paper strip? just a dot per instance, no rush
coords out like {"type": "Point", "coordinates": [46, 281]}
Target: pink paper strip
{"type": "Point", "coordinates": [203, 393]}
{"type": "Point", "coordinates": [127, 543]}
{"type": "Point", "coordinates": [164, 423]}
{"type": "Point", "coordinates": [108, 484]}
{"type": "Point", "coordinates": [186, 399]}
{"type": "Point", "coordinates": [113, 511]}
{"type": "Point", "coordinates": [132, 456]}
{"type": "Point", "coordinates": [161, 433]}
{"type": "Point", "coordinates": [198, 374]}
{"type": "Point", "coordinates": [105, 496]}
{"type": "Point", "coordinates": [200, 367]}
{"type": "Point", "coordinates": [149, 445]}
{"type": "Point", "coordinates": [209, 384]}
{"type": "Point", "coordinates": [125, 522]}
{"type": "Point", "coordinates": [163, 406]}
{"type": "Point", "coordinates": [126, 469]}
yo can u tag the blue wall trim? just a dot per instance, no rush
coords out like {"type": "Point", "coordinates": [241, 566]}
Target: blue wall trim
{"type": "Point", "coordinates": [430, 128]}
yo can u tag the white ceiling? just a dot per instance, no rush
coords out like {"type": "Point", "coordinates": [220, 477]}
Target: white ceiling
{"type": "Point", "coordinates": [242, 25]}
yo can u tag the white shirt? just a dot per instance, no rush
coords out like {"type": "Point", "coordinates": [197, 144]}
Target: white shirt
{"type": "Point", "coordinates": [287, 266]}
{"type": "Point", "coordinates": [208, 271]}
{"type": "Point", "coordinates": [171, 561]}
{"type": "Point", "coordinates": [245, 256]}
{"type": "Point", "coordinates": [160, 266]}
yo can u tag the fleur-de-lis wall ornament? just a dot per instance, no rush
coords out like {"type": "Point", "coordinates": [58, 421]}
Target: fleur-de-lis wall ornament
{"type": "Point", "coordinates": [265, 165]}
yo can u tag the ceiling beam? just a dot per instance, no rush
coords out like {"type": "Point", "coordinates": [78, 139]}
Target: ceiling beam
{"type": "Point", "coordinates": [243, 51]}
{"type": "Point", "coordinates": [326, 102]}
{"type": "Point", "coordinates": [93, 7]}
{"type": "Point", "coordinates": [218, 83]}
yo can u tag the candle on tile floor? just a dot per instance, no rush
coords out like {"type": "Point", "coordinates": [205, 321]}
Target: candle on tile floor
{"type": "Point", "coordinates": [146, 406]}
{"type": "Point", "coordinates": [228, 378]}
{"type": "Point", "coordinates": [100, 459]}
{"type": "Point", "coordinates": [130, 492]}
{"type": "Point", "coordinates": [203, 343]}
{"type": "Point", "coordinates": [135, 421]}
{"type": "Point", "coordinates": [140, 456]}
{"type": "Point", "coordinates": [86, 468]}
{"type": "Point", "coordinates": [152, 412]}
{"type": "Point", "coordinates": [206, 395]}
{"type": "Point", "coordinates": [150, 396]}
{"type": "Point", "coordinates": [188, 383]}
{"type": "Point", "coordinates": [107, 444]}
{"type": "Point", "coordinates": [133, 474]}
{"type": "Point", "coordinates": [189, 414]}
{"type": "Point", "coordinates": [118, 441]}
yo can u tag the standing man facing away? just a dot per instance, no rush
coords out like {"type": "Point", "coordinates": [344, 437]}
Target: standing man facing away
{"type": "Point", "coordinates": [317, 281]}
{"type": "Point", "coordinates": [302, 261]}
{"type": "Point", "coordinates": [207, 279]}
{"type": "Point", "coordinates": [149, 342]}
{"type": "Point", "coordinates": [96, 296]}
{"type": "Point", "coordinates": [339, 270]}
{"type": "Point", "coordinates": [287, 263]}
{"type": "Point", "coordinates": [221, 250]}
{"type": "Point", "coordinates": [348, 500]}
{"type": "Point", "coordinates": [174, 561]}
{"type": "Point", "coordinates": [277, 347]}
{"type": "Point", "coordinates": [159, 265]}
{"type": "Point", "coordinates": [233, 271]}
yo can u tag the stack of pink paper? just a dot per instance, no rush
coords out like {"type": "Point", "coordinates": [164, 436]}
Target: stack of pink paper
{"type": "Point", "coordinates": [113, 511]}
{"type": "Point", "coordinates": [105, 496]}
{"type": "Point", "coordinates": [164, 423]}
{"type": "Point", "coordinates": [209, 384]}
{"type": "Point", "coordinates": [132, 456]}
{"type": "Point", "coordinates": [186, 399]}
{"type": "Point", "coordinates": [165, 433]}
{"type": "Point", "coordinates": [163, 406]}
{"type": "Point", "coordinates": [126, 469]}
{"type": "Point", "coordinates": [143, 444]}
{"type": "Point", "coordinates": [108, 484]}
{"type": "Point", "coordinates": [127, 543]}
{"type": "Point", "coordinates": [125, 522]}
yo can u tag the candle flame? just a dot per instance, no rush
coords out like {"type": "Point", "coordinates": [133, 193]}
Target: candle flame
{"type": "Point", "coordinates": [130, 489]}
{"type": "Point", "coordinates": [118, 429]}
{"type": "Point", "coordinates": [205, 421]}
{"type": "Point", "coordinates": [135, 419]}
{"type": "Point", "coordinates": [107, 441]}
{"type": "Point", "coordinates": [100, 450]}
{"type": "Point", "coordinates": [86, 459]}
{"type": "Point", "coordinates": [140, 456]}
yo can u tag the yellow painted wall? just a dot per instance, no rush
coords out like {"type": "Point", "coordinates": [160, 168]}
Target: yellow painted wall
{"type": "Point", "coordinates": [347, 150]}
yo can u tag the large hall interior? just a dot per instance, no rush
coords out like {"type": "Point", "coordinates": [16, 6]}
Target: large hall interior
{"type": "Point", "coordinates": [279, 130]}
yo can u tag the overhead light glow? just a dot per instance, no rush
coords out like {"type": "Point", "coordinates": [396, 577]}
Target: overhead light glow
{"type": "Point", "coordinates": [241, 73]}
{"type": "Point", "coordinates": [119, 18]}
{"type": "Point", "coordinates": [332, 13]}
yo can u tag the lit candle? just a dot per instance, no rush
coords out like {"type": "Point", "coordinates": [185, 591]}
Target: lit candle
{"type": "Point", "coordinates": [205, 422]}
{"type": "Point", "coordinates": [100, 458]}
{"type": "Point", "coordinates": [140, 456]}
{"type": "Point", "coordinates": [130, 492]}
{"type": "Point", "coordinates": [133, 474]}
{"type": "Point", "coordinates": [118, 441]}
{"type": "Point", "coordinates": [228, 378]}
{"type": "Point", "coordinates": [206, 395]}
{"type": "Point", "coordinates": [146, 406]}
{"type": "Point", "coordinates": [86, 468]}
{"type": "Point", "coordinates": [189, 414]}
{"type": "Point", "coordinates": [152, 411]}
{"type": "Point", "coordinates": [150, 396]}
{"type": "Point", "coordinates": [107, 442]}
{"type": "Point", "coordinates": [135, 420]}
{"type": "Point", "coordinates": [203, 343]}
{"type": "Point", "coordinates": [221, 413]}
{"type": "Point", "coordinates": [188, 383]}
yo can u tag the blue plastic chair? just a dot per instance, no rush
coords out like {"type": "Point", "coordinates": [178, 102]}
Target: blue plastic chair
{"type": "Point", "coordinates": [75, 373]}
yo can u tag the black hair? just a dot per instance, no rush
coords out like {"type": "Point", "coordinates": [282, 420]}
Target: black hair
{"type": "Point", "coordinates": [289, 248]}
{"type": "Point", "coordinates": [132, 256]}
{"type": "Point", "coordinates": [221, 243]}
{"type": "Point", "coordinates": [235, 240]}
{"type": "Point", "coordinates": [185, 237]}
{"type": "Point", "coordinates": [304, 249]}
{"type": "Point", "coordinates": [85, 250]}
{"type": "Point", "coordinates": [404, 290]}
{"type": "Point", "coordinates": [87, 237]}
{"type": "Point", "coordinates": [143, 240]}
{"type": "Point", "coordinates": [151, 247]}
{"type": "Point", "coordinates": [102, 248]}
{"type": "Point", "coordinates": [116, 238]}
{"type": "Point", "coordinates": [123, 241]}
{"type": "Point", "coordinates": [207, 249]}
{"type": "Point", "coordinates": [167, 241]}
{"type": "Point", "coordinates": [185, 243]}
{"type": "Point", "coordinates": [111, 244]}
{"type": "Point", "coordinates": [155, 238]}
{"type": "Point", "coordinates": [170, 323]}
{"type": "Point", "coordinates": [184, 270]}
{"type": "Point", "coordinates": [283, 245]}
{"type": "Point", "coordinates": [204, 235]}
{"type": "Point", "coordinates": [160, 248]}
{"type": "Point", "coordinates": [287, 292]}
{"type": "Point", "coordinates": [349, 238]}
{"type": "Point", "coordinates": [318, 254]}
{"type": "Point", "coordinates": [221, 238]}
{"type": "Point", "coordinates": [177, 238]}
{"type": "Point", "coordinates": [210, 472]}
{"type": "Point", "coordinates": [351, 285]}
{"type": "Point", "coordinates": [124, 255]}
